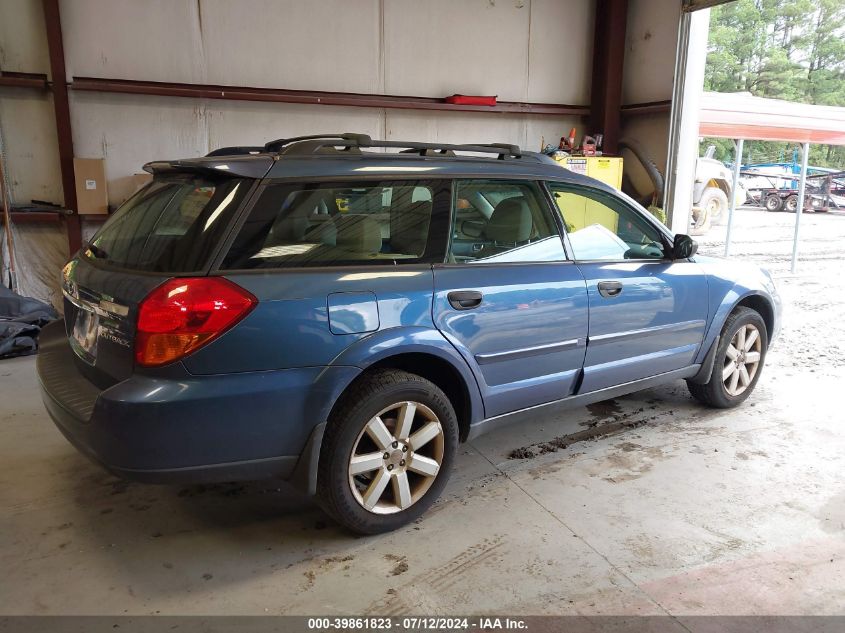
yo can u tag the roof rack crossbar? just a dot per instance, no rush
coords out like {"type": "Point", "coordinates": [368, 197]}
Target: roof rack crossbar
{"type": "Point", "coordinates": [428, 152]}
{"type": "Point", "coordinates": [236, 150]}
{"type": "Point", "coordinates": [275, 146]}
{"type": "Point", "coordinates": [350, 140]}
{"type": "Point", "coordinates": [481, 148]}
{"type": "Point", "coordinates": [364, 141]}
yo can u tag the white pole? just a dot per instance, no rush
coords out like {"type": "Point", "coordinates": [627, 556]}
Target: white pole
{"type": "Point", "coordinates": [684, 119]}
{"type": "Point", "coordinates": [734, 189]}
{"type": "Point", "coordinates": [801, 186]}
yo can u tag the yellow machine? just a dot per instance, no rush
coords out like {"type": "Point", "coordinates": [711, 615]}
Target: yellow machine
{"type": "Point", "coordinates": [578, 211]}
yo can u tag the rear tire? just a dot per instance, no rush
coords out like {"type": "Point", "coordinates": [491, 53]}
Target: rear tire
{"type": "Point", "coordinates": [739, 361]}
{"type": "Point", "coordinates": [773, 202]}
{"type": "Point", "coordinates": [374, 476]}
{"type": "Point", "coordinates": [791, 204]}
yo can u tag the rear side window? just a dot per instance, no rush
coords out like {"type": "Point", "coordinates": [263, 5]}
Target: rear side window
{"type": "Point", "coordinates": [171, 225]}
{"type": "Point", "coordinates": [499, 221]}
{"type": "Point", "coordinates": [329, 224]}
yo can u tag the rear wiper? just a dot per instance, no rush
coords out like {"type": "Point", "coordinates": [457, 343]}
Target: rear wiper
{"type": "Point", "coordinates": [97, 252]}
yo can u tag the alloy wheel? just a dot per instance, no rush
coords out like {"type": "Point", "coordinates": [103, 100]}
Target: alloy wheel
{"type": "Point", "coordinates": [742, 359]}
{"type": "Point", "coordinates": [396, 457]}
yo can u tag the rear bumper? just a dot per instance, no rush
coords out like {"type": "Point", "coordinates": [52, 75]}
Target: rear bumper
{"type": "Point", "coordinates": [248, 470]}
{"type": "Point", "coordinates": [184, 428]}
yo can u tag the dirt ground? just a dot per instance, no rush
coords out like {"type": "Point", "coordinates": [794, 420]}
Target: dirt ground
{"type": "Point", "coordinates": [813, 337]}
{"type": "Point", "coordinates": [672, 509]}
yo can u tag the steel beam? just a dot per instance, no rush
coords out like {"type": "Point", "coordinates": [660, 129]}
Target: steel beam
{"type": "Point", "coordinates": [23, 80]}
{"type": "Point", "coordinates": [649, 107]}
{"type": "Point", "coordinates": [608, 62]}
{"type": "Point", "coordinates": [53, 23]}
{"type": "Point", "coordinates": [313, 97]}
{"type": "Point", "coordinates": [34, 217]}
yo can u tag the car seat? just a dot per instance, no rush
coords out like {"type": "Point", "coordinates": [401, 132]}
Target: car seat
{"type": "Point", "coordinates": [510, 225]}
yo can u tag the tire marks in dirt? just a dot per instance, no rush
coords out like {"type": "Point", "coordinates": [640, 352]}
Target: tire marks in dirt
{"type": "Point", "coordinates": [426, 593]}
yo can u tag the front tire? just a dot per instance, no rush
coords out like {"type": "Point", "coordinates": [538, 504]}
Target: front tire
{"type": "Point", "coordinates": [739, 361]}
{"type": "Point", "coordinates": [714, 202]}
{"type": "Point", "coordinates": [387, 452]}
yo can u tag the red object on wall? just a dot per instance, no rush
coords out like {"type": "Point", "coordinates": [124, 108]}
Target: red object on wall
{"type": "Point", "coordinates": [472, 100]}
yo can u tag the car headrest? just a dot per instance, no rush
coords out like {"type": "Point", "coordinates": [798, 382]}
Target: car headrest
{"type": "Point", "coordinates": [510, 222]}
{"type": "Point", "coordinates": [409, 228]}
{"type": "Point", "coordinates": [358, 233]}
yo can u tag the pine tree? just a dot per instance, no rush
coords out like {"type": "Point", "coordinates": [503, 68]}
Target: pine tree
{"type": "Point", "coordinates": [780, 49]}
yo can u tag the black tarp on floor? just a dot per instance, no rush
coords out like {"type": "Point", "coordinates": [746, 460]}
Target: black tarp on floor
{"type": "Point", "coordinates": [21, 320]}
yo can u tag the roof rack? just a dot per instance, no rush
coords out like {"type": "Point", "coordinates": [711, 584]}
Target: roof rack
{"type": "Point", "coordinates": [318, 143]}
{"type": "Point", "coordinates": [236, 150]}
{"type": "Point", "coordinates": [279, 143]}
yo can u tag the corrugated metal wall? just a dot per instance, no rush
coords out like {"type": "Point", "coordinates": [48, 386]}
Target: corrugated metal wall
{"type": "Point", "coordinates": [520, 50]}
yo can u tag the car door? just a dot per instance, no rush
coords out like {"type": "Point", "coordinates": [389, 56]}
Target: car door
{"type": "Point", "coordinates": [508, 298]}
{"type": "Point", "coordinates": [647, 312]}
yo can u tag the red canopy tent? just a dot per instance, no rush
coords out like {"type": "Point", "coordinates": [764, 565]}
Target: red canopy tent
{"type": "Point", "coordinates": [740, 116]}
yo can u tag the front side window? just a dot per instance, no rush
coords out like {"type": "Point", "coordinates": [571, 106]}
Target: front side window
{"type": "Point", "coordinates": [341, 224]}
{"type": "Point", "coordinates": [599, 231]}
{"type": "Point", "coordinates": [497, 221]}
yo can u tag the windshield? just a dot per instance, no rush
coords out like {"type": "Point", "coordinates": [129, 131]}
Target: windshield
{"type": "Point", "coordinates": [171, 225]}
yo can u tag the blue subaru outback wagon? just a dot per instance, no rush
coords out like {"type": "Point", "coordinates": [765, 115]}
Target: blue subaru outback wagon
{"type": "Point", "coordinates": [342, 318]}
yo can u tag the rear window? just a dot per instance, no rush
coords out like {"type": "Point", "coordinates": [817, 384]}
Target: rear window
{"type": "Point", "coordinates": [343, 224]}
{"type": "Point", "coordinates": [171, 225]}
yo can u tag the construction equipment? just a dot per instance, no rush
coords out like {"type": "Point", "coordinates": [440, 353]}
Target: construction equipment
{"type": "Point", "coordinates": [711, 193]}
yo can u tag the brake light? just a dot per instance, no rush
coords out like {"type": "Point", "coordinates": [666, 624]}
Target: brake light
{"type": "Point", "coordinates": [183, 314]}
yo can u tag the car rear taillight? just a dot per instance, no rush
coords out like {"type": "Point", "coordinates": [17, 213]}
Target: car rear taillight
{"type": "Point", "coordinates": [184, 314]}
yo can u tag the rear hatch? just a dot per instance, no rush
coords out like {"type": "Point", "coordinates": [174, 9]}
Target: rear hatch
{"type": "Point", "coordinates": [170, 228]}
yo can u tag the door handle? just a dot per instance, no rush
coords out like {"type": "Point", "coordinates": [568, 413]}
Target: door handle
{"type": "Point", "coordinates": [465, 299]}
{"type": "Point", "coordinates": [610, 289]}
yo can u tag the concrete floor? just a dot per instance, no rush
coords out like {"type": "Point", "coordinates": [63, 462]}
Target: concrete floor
{"type": "Point", "coordinates": [684, 511]}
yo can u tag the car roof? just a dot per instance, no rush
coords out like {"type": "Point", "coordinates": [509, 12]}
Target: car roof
{"type": "Point", "coordinates": [346, 157]}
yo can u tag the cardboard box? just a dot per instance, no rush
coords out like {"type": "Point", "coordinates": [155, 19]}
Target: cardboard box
{"type": "Point", "coordinates": [91, 194]}
{"type": "Point", "coordinates": [139, 180]}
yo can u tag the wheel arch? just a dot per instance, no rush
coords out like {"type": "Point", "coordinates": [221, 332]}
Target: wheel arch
{"type": "Point", "coordinates": [738, 297]}
{"type": "Point", "coordinates": [421, 351]}
{"type": "Point", "coordinates": [720, 183]}
{"type": "Point", "coordinates": [762, 306]}
{"type": "Point", "coordinates": [438, 371]}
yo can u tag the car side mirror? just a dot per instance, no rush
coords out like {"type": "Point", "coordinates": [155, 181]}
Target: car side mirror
{"type": "Point", "coordinates": [684, 247]}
